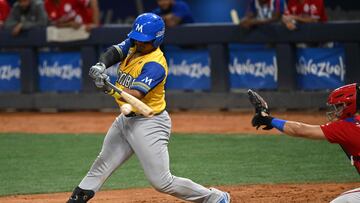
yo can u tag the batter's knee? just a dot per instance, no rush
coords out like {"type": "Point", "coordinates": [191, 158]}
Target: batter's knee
{"type": "Point", "coordinates": [162, 184]}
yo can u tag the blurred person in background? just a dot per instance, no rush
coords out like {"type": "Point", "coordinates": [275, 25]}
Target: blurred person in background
{"type": "Point", "coordinates": [89, 12]}
{"type": "Point", "coordinates": [93, 15]}
{"type": "Point", "coordinates": [304, 11]}
{"type": "Point", "coordinates": [73, 13]}
{"type": "Point", "coordinates": [25, 15]}
{"type": "Point", "coordinates": [4, 11]}
{"type": "Point", "coordinates": [174, 12]}
{"type": "Point", "coordinates": [263, 12]}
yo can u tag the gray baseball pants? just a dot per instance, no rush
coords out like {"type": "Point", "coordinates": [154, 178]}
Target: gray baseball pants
{"type": "Point", "coordinates": [351, 196]}
{"type": "Point", "coordinates": [148, 139]}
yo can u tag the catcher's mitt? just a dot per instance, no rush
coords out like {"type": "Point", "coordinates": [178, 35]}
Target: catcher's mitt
{"type": "Point", "coordinates": [262, 112]}
{"type": "Point", "coordinates": [259, 103]}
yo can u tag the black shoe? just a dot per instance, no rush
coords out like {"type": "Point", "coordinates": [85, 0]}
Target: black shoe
{"type": "Point", "coordinates": [81, 196]}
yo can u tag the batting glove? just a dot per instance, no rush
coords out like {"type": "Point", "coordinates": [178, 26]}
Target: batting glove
{"type": "Point", "coordinates": [100, 80]}
{"type": "Point", "coordinates": [96, 70]}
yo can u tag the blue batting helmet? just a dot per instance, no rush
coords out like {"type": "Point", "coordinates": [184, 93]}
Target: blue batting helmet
{"type": "Point", "coordinates": [148, 27]}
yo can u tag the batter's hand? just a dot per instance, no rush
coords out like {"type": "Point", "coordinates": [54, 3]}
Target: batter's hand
{"type": "Point", "coordinates": [100, 80]}
{"type": "Point", "coordinates": [96, 70]}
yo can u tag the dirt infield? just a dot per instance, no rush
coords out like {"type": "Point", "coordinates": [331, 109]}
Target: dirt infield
{"type": "Point", "coordinates": [280, 193]}
{"type": "Point", "coordinates": [183, 122]}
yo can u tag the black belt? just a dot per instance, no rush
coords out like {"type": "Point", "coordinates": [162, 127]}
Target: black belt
{"type": "Point", "coordinates": [356, 158]}
{"type": "Point", "coordinates": [133, 114]}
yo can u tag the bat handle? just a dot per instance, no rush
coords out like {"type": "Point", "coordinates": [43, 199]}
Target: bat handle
{"type": "Point", "coordinates": [112, 86]}
{"type": "Point", "coordinates": [108, 83]}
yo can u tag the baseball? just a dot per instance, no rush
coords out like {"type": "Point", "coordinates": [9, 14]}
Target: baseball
{"type": "Point", "coordinates": [126, 109]}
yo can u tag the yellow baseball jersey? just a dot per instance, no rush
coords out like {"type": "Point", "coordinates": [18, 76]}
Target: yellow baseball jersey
{"type": "Point", "coordinates": [146, 74]}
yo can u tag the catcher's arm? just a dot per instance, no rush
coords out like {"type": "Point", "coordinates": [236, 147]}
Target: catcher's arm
{"type": "Point", "coordinates": [299, 129]}
{"type": "Point", "coordinates": [292, 128]}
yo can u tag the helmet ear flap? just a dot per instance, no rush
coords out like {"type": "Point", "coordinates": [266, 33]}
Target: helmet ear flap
{"type": "Point", "coordinates": [159, 36]}
{"type": "Point", "coordinates": [158, 41]}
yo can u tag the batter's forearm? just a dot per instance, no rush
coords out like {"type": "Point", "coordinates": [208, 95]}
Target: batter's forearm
{"type": "Point", "coordinates": [115, 53]}
{"type": "Point", "coordinates": [135, 93]}
{"type": "Point", "coordinates": [111, 56]}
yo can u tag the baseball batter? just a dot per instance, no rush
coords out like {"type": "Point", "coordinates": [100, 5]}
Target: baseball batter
{"type": "Point", "coordinates": [142, 73]}
{"type": "Point", "coordinates": [344, 129]}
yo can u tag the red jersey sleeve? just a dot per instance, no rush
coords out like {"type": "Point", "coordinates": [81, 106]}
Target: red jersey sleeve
{"type": "Point", "coordinates": [317, 9]}
{"type": "Point", "coordinates": [334, 132]}
{"type": "Point", "coordinates": [84, 3]}
{"type": "Point", "coordinates": [287, 8]}
{"type": "Point", "coordinates": [83, 8]}
{"type": "Point", "coordinates": [323, 16]}
{"type": "Point", "coordinates": [50, 10]}
{"type": "Point", "coordinates": [4, 10]}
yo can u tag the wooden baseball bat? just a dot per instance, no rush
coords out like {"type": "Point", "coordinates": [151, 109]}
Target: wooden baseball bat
{"type": "Point", "coordinates": [133, 101]}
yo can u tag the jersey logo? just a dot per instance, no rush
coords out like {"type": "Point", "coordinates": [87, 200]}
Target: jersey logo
{"type": "Point", "coordinates": [147, 81]}
{"type": "Point", "coordinates": [125, 79]}
{"type": "Point", "coordinates": [139, 28]}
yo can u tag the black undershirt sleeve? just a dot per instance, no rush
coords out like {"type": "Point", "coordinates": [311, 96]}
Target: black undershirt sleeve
{"type": "Point", "coordinates": [111, 56]}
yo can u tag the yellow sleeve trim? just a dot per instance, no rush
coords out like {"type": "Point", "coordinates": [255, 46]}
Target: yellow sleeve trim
{"type": "Point", "coordinates": [111, 92]}
{"type": "Point", "coordinates": [116, 95]}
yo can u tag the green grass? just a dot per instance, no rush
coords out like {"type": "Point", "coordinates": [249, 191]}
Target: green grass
{"type": "Point", "coordinates": [54, 163]}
